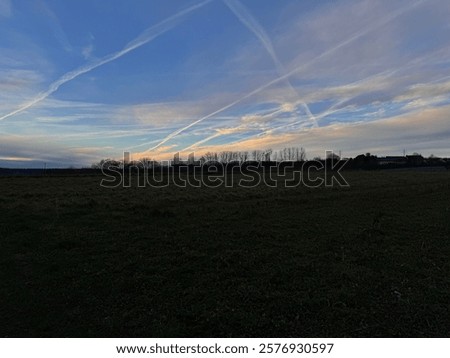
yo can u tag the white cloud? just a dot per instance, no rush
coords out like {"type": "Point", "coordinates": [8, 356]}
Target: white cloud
{"type": "Point", "coordinates": [39, 150]}
{"type": "Point", "coordinates": [87, 51]}
{"type": "Point", "coordinates": [14, 80]}
{"type": "Point", "coordinates": [426, 131]}
{"type": "Point", "coordinates": [355, 35]}
{"type": "Point", "coordinates": [161, 115]}
{"type": "Point", "coordinates": [351, 61]}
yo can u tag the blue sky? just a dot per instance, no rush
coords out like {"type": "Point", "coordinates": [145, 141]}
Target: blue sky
{"type": "Point", "coordinates": [85, 80]}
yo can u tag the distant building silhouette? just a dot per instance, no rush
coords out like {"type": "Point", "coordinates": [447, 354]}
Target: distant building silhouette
{"type": "Point", "coordinates": [176, 159]}
{"type": "Point", "coordinates": [191, 159]}
{"type": "Point", "coordinates": [415, 159]}
{"type": "Point", "coordinates": [392, 160]}
{"type": "Point", "coordinates": [126, 158]}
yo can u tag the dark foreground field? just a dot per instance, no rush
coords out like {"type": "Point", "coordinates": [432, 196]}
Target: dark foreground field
{"type": "Point", "coordinates": [369, 260]}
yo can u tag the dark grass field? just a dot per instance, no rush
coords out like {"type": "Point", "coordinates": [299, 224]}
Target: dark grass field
{"type": "Point", "coordinates": [78, 260]}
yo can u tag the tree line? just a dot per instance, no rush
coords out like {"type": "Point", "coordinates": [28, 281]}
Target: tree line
{"type": "Point", "coordinates": [296, 154]}
{"type": "Point", "coordinates": [288, 154]}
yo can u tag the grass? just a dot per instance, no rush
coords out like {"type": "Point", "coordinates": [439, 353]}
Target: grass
{"type": "Point", "coordinates": [78, 260]}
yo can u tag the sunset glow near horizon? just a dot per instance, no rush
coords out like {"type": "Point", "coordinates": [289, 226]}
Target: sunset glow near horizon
{"type": "Point", "coordinates": [90, 79]}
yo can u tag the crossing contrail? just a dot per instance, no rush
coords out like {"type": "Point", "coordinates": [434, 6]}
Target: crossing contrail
{"type": "Point", "coordinates": [254, 26]}
{"type": "Point", "coordinates": [148, 35]}
{"type": "Point", "coordinates": [226, 131]}
{"type": "Point", "coordinates": [333, 109]}
{"type": "Point", "coordinates": [324, 54]}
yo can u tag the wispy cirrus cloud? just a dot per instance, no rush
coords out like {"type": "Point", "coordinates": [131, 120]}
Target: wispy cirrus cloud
{"type": "Point", "coordinates": [87, 51]}
{"type": "Point", "coordinates": [386, 136]}
{"type": "Point", "coordinates": [378, 23]}
{"type": "Point", "coordinates": [15, 80]}
{"type": "Point", "coordinates": [363, 68]}
{"type": "Point", "coordinates": [37, 151]}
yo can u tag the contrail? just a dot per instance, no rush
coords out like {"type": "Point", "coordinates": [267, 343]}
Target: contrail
{"type": "Point", "coordinates": [333, 108]}
{"type": "Point", "coordinates": [193, 146]}
{"type": "Point", "coordinates": [351, 39]}
{"type": "Point", "coordinates": [148, 35]}
{"type": "Point", "coordinates": [219, 134]}
{"type": "Point", "coordinates": [253, 25]}
{"type": "Point", "coordinates": [178, 131]}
